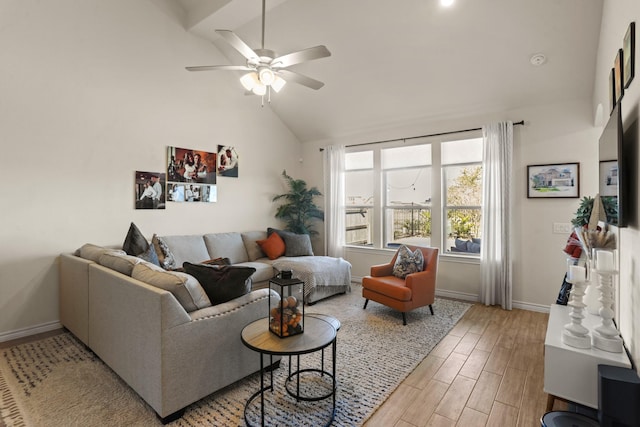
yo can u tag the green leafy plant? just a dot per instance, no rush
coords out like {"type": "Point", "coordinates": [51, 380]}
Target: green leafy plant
{"type": "Point", "coordinates": [298, 209]}
{"type": "Point", "coordinates": [583, 214]}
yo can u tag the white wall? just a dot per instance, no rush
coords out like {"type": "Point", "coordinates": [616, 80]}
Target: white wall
{"type": "Point", "coordinates": [617, 14]}
{"type": "Point", "coordinates": [91, 91]}
{"type": "Point", "coordinates": [551, 134]}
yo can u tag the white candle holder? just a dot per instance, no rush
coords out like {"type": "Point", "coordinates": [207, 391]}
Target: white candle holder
{"type": "Point", "coordinates": [574, 334]}
{"type": "Point", "coordinates": [605, 335]}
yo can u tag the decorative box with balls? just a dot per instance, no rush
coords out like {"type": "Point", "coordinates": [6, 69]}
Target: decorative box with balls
{"type": "Point", "coordinates": [286, 310]}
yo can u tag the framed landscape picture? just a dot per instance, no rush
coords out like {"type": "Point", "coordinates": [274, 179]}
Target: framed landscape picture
{"type": "Point", "coordinates": [553, 181]}
{"type": "Point", "coordinates": [629, 54]}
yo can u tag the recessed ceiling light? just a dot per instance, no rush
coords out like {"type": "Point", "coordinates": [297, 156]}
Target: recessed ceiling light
{"type": "Point", "coordinates": [538, 59]}
{"type": "Point", "coordinates": [446, 3]}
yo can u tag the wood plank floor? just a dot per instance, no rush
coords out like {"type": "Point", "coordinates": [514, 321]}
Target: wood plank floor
{"type": "Point", "coordinates": [488, 371]}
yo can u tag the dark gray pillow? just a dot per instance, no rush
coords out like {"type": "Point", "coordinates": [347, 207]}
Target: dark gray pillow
{"type": "Point", "coordinates": [221, 283]}
{"type": "Point", "coordinates": [295, 244]}
{"type": "Point", "coordinates": [136, 244]}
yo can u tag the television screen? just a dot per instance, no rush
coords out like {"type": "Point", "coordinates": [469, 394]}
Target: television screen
{"type": "Point", "coordinates": [612, 173]}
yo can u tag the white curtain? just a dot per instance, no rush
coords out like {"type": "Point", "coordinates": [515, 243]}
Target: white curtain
{"type": "Point", "coordinates": [497, 199]}
{"type": "Point", "coordinates": [334, 213]}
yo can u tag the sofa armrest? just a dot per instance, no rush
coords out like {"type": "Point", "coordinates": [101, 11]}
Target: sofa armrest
{"type": "Point", "coordinates": [74, 295]}
{"type": "Point", "coordinates": [126, 320]}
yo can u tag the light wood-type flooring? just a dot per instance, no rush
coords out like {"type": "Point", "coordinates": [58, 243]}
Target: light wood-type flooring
{"type": "Point", "coordinates": [488, 371]}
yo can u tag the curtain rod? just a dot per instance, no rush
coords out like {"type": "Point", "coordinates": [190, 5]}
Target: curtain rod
{"type": "Point", "coordinates": [521, 122]}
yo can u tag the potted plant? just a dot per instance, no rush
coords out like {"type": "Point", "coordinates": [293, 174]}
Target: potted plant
{"type": "Point", "coordinates": [298, 209]}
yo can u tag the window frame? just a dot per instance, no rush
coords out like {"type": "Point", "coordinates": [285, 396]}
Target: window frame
{"type": "Point", "coordinates": [437, 205]}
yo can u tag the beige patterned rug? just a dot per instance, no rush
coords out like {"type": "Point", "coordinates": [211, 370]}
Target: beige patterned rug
{"type": "Point", "coordinates": [58, 382]}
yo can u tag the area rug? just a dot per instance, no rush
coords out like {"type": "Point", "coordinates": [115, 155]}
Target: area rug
{"type": "Point", "coordinates": [58, 382]}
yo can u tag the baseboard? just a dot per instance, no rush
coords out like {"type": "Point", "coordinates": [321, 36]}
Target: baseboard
{"type": "Point", "coordinates": [32, 330]}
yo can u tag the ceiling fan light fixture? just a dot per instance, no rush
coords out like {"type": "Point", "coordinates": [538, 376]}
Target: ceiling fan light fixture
{"type": "Point", "coordinates": [266, 76]}
{"type": "Point", "coordinates": [249, 80]}
{"type": "Point", "coordinates": [278, 83]}
{"type": "Point", "coordinates": [259, 89]}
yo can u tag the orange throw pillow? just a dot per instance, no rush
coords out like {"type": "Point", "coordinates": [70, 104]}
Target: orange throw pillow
{"type": "Point", "coordinates": [273, 246]}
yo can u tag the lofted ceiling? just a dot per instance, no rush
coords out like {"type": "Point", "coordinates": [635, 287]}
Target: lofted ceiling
{"type": "Point", "coordinates": [408, 60]}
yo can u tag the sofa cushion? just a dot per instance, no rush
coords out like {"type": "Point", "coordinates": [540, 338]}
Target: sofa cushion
{"type": "Point", "coordinates": [408, 262]}
{"type": "Point", "coordinates": [250, 240]}
{"type": "Point", "coordinates": [165, 256]}
{"type": "Point", "coordinates": [122, 263]}
{"type": "Point", "coordinates": [264, 270]}
{"type": "Point", "coordinates": [94, 252]}
{"type": "Point", "coordinates": [295, 244]}
{"type": "Point", "coordinates": [227, 245]}
{"type": "Point", "coordinates": [184, 287]}
{"type": "Point", "coordinates": [187, 248]}
{"type": "Point", "coordinates": [221, 283]}
{"type": "Point", "coordinates": [273, 246]}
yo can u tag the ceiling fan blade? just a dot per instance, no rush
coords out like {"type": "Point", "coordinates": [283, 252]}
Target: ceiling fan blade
{"type": "Point", "coordinates": [219, 67]}
{"type": "Point", "coordinates": [303, 55]}
{"type": "Point", "coordinates": [292, 76]}
{"type": "Point", "coordinates": [238, 44]}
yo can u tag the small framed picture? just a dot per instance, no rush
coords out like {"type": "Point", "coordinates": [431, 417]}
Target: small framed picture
{"type": "Point", "coordinates": [608, 178]}
{"type": "Point", "coordinates": [629, 54]}
{"type": "Point", "coordinates": [617, 66]}
{"type": "Point", "coordinates": [553, 181]}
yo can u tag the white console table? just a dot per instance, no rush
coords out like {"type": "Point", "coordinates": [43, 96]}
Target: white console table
{"type": "Point", "coordinates": [571, 373]}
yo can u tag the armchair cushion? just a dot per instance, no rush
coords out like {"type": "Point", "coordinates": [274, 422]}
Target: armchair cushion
{"type": "Point", "coordinates": [408, 262]}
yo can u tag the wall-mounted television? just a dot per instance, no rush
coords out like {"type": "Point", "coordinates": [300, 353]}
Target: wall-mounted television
{"type": "Point", "coordinates": [613, 173]}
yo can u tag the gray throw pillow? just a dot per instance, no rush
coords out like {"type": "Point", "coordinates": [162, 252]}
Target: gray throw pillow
{"type": "Point", "coordinates": [408, 262]}
{"type": "Point", "coordinates": [295, 244]}
{"type": "Point", "coordinates": [135, 243]}
{"type": "Point", "coordinates": [221, 283]}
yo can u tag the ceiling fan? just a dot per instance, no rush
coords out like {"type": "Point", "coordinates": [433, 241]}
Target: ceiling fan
{"type": "Point", "coordinates": [265, 70]}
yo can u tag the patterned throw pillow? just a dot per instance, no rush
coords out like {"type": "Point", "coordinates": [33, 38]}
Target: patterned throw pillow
{"type": "Point", "coordinates": [408, 262]}
{"type": "Point", "coordinates": [165, 257]}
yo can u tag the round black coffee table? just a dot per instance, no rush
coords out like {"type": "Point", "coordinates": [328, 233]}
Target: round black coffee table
{"type": "Point", "coordinates": [319, 333]}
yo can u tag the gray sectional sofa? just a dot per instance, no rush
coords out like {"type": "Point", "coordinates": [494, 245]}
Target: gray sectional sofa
{"type": "Point", "coordinates": [158, 330]}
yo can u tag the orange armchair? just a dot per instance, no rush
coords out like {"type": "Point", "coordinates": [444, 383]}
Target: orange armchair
{"type": "Point", "coordinates": [415, 290]}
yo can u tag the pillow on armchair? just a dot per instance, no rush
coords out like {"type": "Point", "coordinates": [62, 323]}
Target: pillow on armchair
{"type": "Point", "coordinates": [408, 262]}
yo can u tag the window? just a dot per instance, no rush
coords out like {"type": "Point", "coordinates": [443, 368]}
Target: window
{"type": "Point", "coordinates": [425, 194]}
{"type": "Point", "coordinates": [462, 195]}
{"type": "Point", "coordinates": [407, 201]}
{"type": "Point", "coordinates": [359, 193]}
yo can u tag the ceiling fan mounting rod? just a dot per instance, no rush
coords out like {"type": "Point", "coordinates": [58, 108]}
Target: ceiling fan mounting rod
{"type": "Point", "coordinates": [263, 13]}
